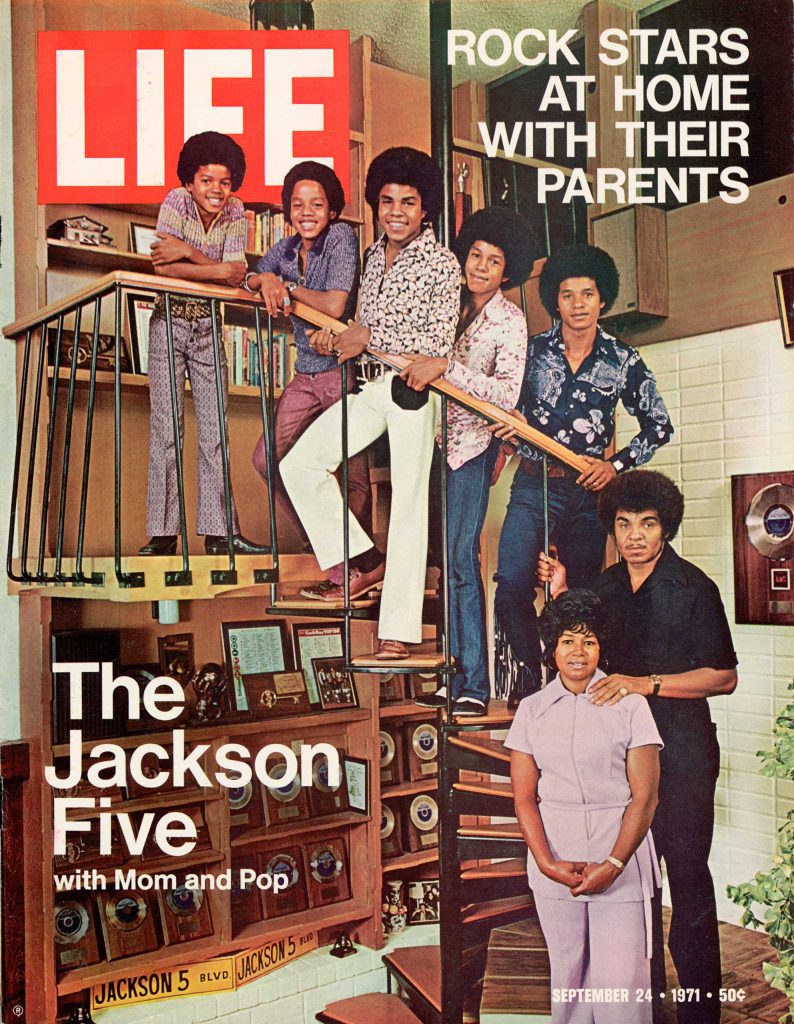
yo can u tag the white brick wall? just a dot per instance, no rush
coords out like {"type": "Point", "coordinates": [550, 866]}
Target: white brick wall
{"type": "Point", "coordinates": [291, 995]}
{"type": "Point", "coordinates": [730, 394]}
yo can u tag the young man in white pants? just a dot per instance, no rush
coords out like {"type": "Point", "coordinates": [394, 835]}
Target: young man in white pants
{"type": "Point", "coordinates": [410, 302]}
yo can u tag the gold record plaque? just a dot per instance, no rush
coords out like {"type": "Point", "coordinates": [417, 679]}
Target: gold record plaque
{"type": "Point", "coordinates": [392, 690]}
{"type": "Point", "coordinates": [325, 799]}
{"type": "Point", "coordinates": [423, 683]}
{"type": "Point", "coordinates": [245, 807]}
{"type": "Point", "coordinates": [421, 824]}
{"type": "Point", "coordinates": [288, 863]}
{"type": "Point", "coordinates": [284, 803]}
{"type": "Point", "coordinates": [390, 841]}
{"type": "Point", "coordinates": [127, 923]}
{"type": "Point", "coordinates": [421, 750]}
{"type": "Point", "coordinates": [328, 874]}
{"type": "Point", "coordinates": [185, 914]}
{"type": "Point", "coordinates": [246, 900]}
{"type": "Point", "coordinates": [390, 758]}
{"type": "Point", "coordinates": [75, 935]}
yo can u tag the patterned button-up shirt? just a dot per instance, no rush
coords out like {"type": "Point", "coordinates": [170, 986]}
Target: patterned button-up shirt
{"type": "Point", "coordinates": [578, 409]}
{"type": "Point", "coordinates": [331, 265]}
{"type": "Point", "coordinates": [488, 362]}
{"type": "Point", "coordinates": [224, 240]}
{"type": "Point", "coordinates": [414, 306]}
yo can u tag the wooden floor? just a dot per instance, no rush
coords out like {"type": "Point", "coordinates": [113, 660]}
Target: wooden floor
{"type": "Point", "coordinates": [743, 952]}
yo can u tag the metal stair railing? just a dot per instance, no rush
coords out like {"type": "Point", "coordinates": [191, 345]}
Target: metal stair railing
{"type": "Point", "coordinates": [38, 456]}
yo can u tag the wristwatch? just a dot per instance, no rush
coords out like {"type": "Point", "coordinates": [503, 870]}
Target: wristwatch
{"type": "Point", "coordinates": [656, 683]}
{"type": "Point", "coordinates": [290, 286]}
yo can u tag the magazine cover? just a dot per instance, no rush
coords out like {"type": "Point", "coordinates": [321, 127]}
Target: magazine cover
{"type": "Point", "coordinates": [399, 510]}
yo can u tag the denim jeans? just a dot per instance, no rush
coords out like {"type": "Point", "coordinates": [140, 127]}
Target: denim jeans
{"type": "Point", "coordinates": [576, 530]}
{"type": "Point", "coordinates": [468, 490]}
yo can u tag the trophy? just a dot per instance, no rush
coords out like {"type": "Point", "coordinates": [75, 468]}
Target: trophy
{"type": "Point", "coordinates": [209, 685]}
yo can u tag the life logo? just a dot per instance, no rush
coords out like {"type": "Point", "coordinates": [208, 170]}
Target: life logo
{"type": "Point", "coordinates": [284, 96]}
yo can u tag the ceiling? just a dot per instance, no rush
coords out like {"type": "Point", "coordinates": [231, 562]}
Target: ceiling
{"type": "Point", "coordinates": [400, 28]}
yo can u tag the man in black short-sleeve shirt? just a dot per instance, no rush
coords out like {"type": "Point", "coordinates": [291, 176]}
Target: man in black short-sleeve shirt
{"type": "Point", "coordinates": [673, 645]}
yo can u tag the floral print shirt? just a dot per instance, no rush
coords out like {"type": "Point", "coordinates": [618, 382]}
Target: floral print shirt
{"type": "Point", "coordinates": [412, 307]}
{"type": "Point", "coordinates": [578, 409]}
{"type": "Point", "coordinates": [487, 361]}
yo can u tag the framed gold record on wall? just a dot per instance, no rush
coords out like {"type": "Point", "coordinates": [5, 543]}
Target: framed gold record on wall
{"type": "Point", "coordinates": [421, 750]}
{"type": "Point", "coordinates": [127, 923]}
{"type": "Point", "coordinates": [245, 806]}
{"type": "Point", "coordinates": [328, 871]}
{"type": "Point", "coordinates": [246, 900]}
{"type": "Point", "coordinates": [185, 913]}
{"type": "Point", "coordinates": [284, 803]}
{"type": "Point", "coordinates": [287, 862]}
{"type": "Point", "coordinates": [391, 844]}
{"type": "Point", "coordinates": [423, 683]}
{"type": "Point", "coordinates": [390, 756]}
{"type": "Point", "coordinates": [421, 823]}
{"type": "Point", "coordinates": [75, 933]}
{"type": "Point", "coordinates": [325, 799]}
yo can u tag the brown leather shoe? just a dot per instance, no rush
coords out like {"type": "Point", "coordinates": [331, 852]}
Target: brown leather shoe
{"type": "Point", "coordinates": [392, 650]}
{"type": "Point", "coordinates": [360, 583]}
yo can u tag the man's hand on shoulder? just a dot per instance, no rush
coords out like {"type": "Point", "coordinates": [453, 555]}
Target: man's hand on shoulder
{"type": "Point", "coordinates": [597, 475]}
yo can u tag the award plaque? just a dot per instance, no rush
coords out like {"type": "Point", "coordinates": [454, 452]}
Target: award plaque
{"type": "Point", "coordinates": [390, 757]}
{"type": "Point", "coordinates": [75, 935]}
{"type": "Point", "coordinates": [421, 823]}
{"type": "Point", "coordinates": [245, 807]}
{"type": "Point", "coordinates": [185, 913]}
{"type": "Point", "coordinates": [390, 830]}
{"type": "Point", "coordinates": [246, 901]}
{"type": "Point", "coordinates": [325, 799]}
{"type": "Point", "coordinates": [253, 649]}
{"type": "Point", "coordinates": [195, 812]}
{"type": "Point", "coordinates": [423, 683]}
{"type": "Point", "coordinates": [285, 803]}
{"type": "Point", "coordinates": [421, 750]}
{"type": "Point", "coordinates": [127, 923]}
{"type": "Point", "coordinates": [328, 873]}
{"type": "Point", "coordinates": [295, 898]}
{"type": "Point", "coordinates": [150, 768]}
{"type": "Point", "coordinates": [82, 851]}
{"type": "Point", "coordinates": [392, 690]}
{"type": "Point", "coordinates": [276, 694]}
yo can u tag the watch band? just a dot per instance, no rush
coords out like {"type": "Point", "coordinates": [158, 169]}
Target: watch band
{"type": "Point", "coordinates": [290, 286]}
{"type": "Point", "coordinates": [618, 863]}
{"type": "Point", "coordinates": [250, 274]}
{"type": "Point", "coordinates": [656, 683]}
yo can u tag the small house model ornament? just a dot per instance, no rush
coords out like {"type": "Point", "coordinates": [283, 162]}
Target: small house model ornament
{"type": "Point", "coordinates": [82, 229]}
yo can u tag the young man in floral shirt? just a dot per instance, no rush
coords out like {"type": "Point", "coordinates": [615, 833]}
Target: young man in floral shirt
{"type": "Point", "coordinates": [575, 376]}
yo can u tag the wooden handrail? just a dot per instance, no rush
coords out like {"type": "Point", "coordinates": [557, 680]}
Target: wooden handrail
{"type": "Point", "coordinates": [129, 279]}
{"type": "Point", "coordinates": [488, 411]}
{"type": "Point", "coordinates": [155, 283]}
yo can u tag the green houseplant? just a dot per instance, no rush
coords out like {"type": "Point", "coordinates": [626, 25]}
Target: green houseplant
{"type": "Point", "coordinates": [772, 892]}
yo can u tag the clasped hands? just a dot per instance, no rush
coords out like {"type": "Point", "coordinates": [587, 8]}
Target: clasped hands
{"type": "Point", "coordinates": [348, 344]}
{"type": "Point", "coordinates": [582, 878]}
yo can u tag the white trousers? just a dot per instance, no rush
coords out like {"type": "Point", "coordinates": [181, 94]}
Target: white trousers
{"type": "Point", "coordinates": [599, 947]}
{"type": "Point", "coordinates": [308, 475]}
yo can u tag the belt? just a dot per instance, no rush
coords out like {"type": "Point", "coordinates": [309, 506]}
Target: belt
{"type": "Point", "coordinates": [557, 470]}
{"type": "Point", "coordinates": [369, 369]}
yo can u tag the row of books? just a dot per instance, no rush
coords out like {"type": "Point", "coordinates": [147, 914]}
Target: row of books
{"type": "Point", "coordinates": [265, 229]}
{"type": "Point", "coordinates": [240, 342]}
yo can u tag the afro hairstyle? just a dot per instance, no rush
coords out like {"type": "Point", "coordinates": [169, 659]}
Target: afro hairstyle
{"type": "Point", "coordinates": [499, 226]}
{"type": "Point", "coordinates": [577, 611]}
{"type": "Point", "coordinates": [311, 170]}
{"type": "Point", "coordinates": [578, 261]}
{"type": "Point", "coordinates": [402, 165]}
{"type": "Point", "coordinates": [638, 490]}
{"type": "Point", "coordinates": [211, 148]}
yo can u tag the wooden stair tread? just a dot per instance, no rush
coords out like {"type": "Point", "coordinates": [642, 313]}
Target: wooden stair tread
{"type": "Point", "coordinates": [498, 716]}
{"type": "Point", "coordinates": [482, 745]}
{"type": "Point", "coordinates": [516, 867]}
{"type": "Point", "coordinates": [501, 789]}
{"type": "Point", "coordinates": [517, 974]}
{"type": "Point", "coordinates": [420, 966]}
{"type": "Point", "coordinates": [500, 830]}
{"type": "Point", "coordinates": [422, 656]}
{"type": "Point", "coordinates": [376, 1008]}
{"type": "Point", "coordinates": [495, 908]}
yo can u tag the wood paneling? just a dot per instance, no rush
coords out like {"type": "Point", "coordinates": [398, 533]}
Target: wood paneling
{"type": "Point", "coordinates": [721, 260]}
{"type": "Point", "coordinates": [400, 110]}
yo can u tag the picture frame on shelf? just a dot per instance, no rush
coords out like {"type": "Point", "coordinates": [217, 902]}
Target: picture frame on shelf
{"type": "Point", "coordinates": [106, 350]}
{"type": "Point", "coordinates": [140, 307]}
{"type": "Point", "coordinates": [336, 688]}
{"type": "Point", "coordinates": [357, 772]}
{"type": "Point", "coordinates": [316, 640]}
{"type": "Point", "coordinates": [142, 238]}
{"type": "Point", "coordinates": [424, 902]}
{"type": "Point", "coordinates": [253, 649]}
{"type": "Point", "coordinates": [784, 291]}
